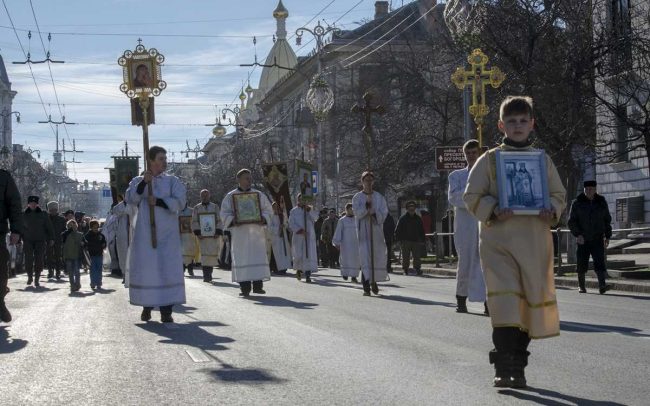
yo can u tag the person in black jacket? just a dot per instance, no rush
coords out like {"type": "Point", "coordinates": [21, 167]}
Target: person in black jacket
{"type": "Point", "coordinates": [54, 258]}
{"type": "Point", "coordinates": [10, 209]}
{"type": "Point", "coordinates": [38, 234]}
{"type": "Point", "coordinates": [410, 234]}
{"type": "Point", "coordinates": [590, 222]}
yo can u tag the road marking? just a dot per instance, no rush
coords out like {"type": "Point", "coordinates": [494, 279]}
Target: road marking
{"type": "Point", "coordinates": [198, 355]}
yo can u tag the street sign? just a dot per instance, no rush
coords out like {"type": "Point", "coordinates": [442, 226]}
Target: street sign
{"type": "Point", "coordinates": [451, 158]}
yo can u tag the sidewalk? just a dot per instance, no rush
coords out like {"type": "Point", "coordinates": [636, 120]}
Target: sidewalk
{"type": "Point", "coordinates": [634, 286]}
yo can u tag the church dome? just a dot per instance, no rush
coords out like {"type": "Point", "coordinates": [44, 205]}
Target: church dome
{"type": "Point", "coordinates": [281, 11]}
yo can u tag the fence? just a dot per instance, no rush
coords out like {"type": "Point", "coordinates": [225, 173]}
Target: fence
{"type": "Point", "coordinates": [438, 242]}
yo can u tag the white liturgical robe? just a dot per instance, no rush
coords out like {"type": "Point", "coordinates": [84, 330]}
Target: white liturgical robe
{"type": "Point", "coordinates": [280, 242]}
{"type": "Point", "coordinates": [248, 241]}
{"type": "Point", "coordinates": [345, 236]}
{"type": "Point", "coordinates": [156, 274]}
{"type": "Point", "coordinates": [210, 245]}
{"type": "Point", "coordinates": [304, 253]}
{"type": "Point", "coordinates": [365, 223]}
{"type": "Point", "coordinates": [469, 278]}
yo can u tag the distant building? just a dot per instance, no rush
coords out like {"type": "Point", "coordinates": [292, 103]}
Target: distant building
{"type": "Point", "coordinates": [6, 97]}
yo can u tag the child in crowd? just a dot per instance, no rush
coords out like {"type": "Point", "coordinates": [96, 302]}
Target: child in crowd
{"type": "Point", "coordinates": [72, 253]}
{"type": "Point", "coordinates": [95, 243]}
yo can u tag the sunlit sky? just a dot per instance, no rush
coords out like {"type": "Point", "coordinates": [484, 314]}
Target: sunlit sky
{"type": "Point", "coordinates": [203, 42]}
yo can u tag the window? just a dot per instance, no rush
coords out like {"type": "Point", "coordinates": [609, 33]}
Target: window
{"type": "Point", "coordinates": [621, 24]}
{"type": "Point", "coordinates": [621, 148]}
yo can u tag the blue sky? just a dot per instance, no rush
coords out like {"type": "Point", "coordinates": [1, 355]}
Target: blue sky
{"type": "Point", "coordinates": [203, 42]}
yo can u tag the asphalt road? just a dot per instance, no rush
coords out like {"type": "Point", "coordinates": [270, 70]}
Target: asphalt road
{"type": "Point", "coordinates": [318, 344]}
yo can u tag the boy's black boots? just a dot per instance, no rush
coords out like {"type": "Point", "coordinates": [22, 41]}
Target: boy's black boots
{"type": "Point", "coordinates": [510, 357]}
{"type": "Point", "coordinates": [461, 306]}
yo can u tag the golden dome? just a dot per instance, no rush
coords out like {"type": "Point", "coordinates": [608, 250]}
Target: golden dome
{"type": "Point", "coordinates": [280, 11]}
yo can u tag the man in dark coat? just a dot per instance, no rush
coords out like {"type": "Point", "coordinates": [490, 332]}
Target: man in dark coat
{"type": "Point", "coordinates": [410, 234]}
{"type": "Point", "coordinates": [38, 234]}
{"type": "Point", "coordinates": [389, 231]}
{"type": "Point", "coordinates": [590, 222]}
{"type": "Point", "coordinates": [54, 252]}
{"type": "Point", "coordinates": [9, 210]}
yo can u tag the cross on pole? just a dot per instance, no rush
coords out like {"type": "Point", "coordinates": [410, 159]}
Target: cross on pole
{"type": "Point", "coordinates": [367, 112]}
{"type": "Point", "coordinates": [478, 77]}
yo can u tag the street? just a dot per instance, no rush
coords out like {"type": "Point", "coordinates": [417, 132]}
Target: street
{"type": "Point", "coordinates": [318, 344]}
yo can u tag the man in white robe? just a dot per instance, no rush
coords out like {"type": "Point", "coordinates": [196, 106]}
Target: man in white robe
{"type": "Point", "coordinates": [469, 278]}
{"type": "Point", "coordinates": [189, 242]}
{"type": "Point", "coordinates": [248, 240]}
{"type": "Point", "coordinates": [303, 243]}
{"type": "Point", "coordinates": [370, 210]}
{"type": "Point", "coordinates": [209, 239]}
{"type": "Point", "coordinates": [156, 274]}
{"type": "Point", "coordinates": [345, 239]}
{"type": "Point", "coordinates": [281, 249]}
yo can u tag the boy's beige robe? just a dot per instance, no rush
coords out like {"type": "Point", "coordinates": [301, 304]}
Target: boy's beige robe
{"type": "Point", "coordinates": [516, 254]}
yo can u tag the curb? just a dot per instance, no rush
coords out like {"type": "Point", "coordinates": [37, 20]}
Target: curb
{"type": "Point", "coordinates": [567, 282]}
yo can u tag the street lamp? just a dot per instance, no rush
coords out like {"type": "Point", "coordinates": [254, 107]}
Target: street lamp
{"type": "Point", "coordinates": [320, 97]}
{"type": "Point", "coordinates": [236, 111]}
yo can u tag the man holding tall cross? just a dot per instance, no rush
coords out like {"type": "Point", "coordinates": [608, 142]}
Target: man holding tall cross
{"type": "Point", "coordinates": [370, 210]}
{"type": "Point", "coordinates": [156, 273]}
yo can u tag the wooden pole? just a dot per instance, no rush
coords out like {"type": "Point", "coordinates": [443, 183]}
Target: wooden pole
{"type": "Point", "coordinates": [144, 105]}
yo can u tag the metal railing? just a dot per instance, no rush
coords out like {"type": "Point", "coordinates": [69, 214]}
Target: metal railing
{"type": "Point", "coordinates": [438, 241]}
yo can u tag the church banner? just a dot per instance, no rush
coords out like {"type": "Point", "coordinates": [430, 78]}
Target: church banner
{"type": "Point", "coordinates": [126, 168]}
{"type": "Point", "coordinates": [276, 181]}
{"type": "Point", "coordinates": [111, 176]}
{"type": "Point", "coordinates": [305, 180]}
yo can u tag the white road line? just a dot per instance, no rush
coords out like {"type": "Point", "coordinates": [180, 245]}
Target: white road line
{"type": "Point", "coordinates": [198, 355]}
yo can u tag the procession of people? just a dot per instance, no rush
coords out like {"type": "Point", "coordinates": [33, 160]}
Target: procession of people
{"type": "Point", "coordinates": [153, 234]}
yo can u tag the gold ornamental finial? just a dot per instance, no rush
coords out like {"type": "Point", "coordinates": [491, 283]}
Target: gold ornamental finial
{"type": "Point", "coordinates": [280, 11]}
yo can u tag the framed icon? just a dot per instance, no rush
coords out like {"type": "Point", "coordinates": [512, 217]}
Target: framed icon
{"type": "Point", "coordinates": [185, 224]}
{"type": "Point", "coordinates": [247, 208]}
{"type": "Point", "coordinates": [522, 181]}
{"type": "Point", "coordinates": [208, 224]}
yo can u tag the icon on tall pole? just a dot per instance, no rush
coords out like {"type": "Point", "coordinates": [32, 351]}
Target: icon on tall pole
{"type": "Point", "coordinates": [142, 79]}
{"type": "Point", "coordinates": [478, 77]}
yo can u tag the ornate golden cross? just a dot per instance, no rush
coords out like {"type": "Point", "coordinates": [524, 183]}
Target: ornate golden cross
{"type": "Point", "coordinates": [478, 77]}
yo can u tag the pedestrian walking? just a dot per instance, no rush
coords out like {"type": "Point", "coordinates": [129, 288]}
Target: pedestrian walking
{"type": "Point", "coordinates": [410, 234]}
{"type": "Point", "coordinates": [53, 254]}
{"type": "Point", "coordinates": [209, 233]}
{"type": "Point", "coordinates": [515, 252]}
{"type": "Point", "coordinates": [121, 212]}
{"type": "Point", "coordinates": [323, 253]}
{"type": "Point", "coordinates": [370, 211]}
{"type": "Point", "coordinates": [250, 264]}
{"type": "Point", "coordinates": [470, 283]}
{"type": "Point", "coordinates": [327, 232]}
{"type": "Point", "coordinates": [345, 239]}
{"type": "Point", "coordinates": [38, 234]}
{"type": "Point", "coordinates": [591, 223]}
{"type": "Point", "coordinates": [72, 248]}
{"type": "Point", "coordinates": [11, 210]}
{"type": "Point", "coordinates": [302, 219]}
{"type": "Point", "coordinates": [281, 249]}
{"type": "Point", "coordinates": [155, 274]}
{"type": "Point", "coordinates": [95, 243]}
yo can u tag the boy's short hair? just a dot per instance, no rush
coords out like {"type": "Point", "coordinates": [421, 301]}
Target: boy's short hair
{"type": "Point", "coordinates": [154, 151]}
{"type": "Point", "coordinates": [516, 105]}
{"type": "Point", "coordinates": [93, 222]}
{"type": "Point", "coordinates": [471, 144]}
{"type": "Point", "coordinates": [242, 172]}
{"type": "Point", "coordinates": [71, 223]}
{"type": "Point", "coordinates": [348, 206]}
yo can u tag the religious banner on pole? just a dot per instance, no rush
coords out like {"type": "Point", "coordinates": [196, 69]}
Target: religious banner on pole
{"type": "Point", "coordinates": [276, 181]}
{"type": "Point", "coordinates": [305, 180]}
{"type": "Point", "coordinates": [126, 168]}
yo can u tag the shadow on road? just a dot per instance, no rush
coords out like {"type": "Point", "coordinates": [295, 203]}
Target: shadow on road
{"type": "Point", "coordinates": [600, 328]}
{"type": "Point", "coordinates": [246, 376]}
{"type": "Point", "coordinates": [631, 296]}
{"type": "Point", "coordinates": [9, 345]}
{"type": "Point", "coordinates": [103, 291]}
{"type": "Point", "coordinates": [224, 285]}
{"type": "Point", "coordinates": [38, 289]}
{"type": "Point", "coordinates": [81, 294]}
{"type": "Point", "coordinates": [416, 301]}
{"type": "Point", "coordinates": [190, 334]}
{"type": "Point", "coordinates": [281, 302]}
{"type": "Point", "coordinates": [553, 398]}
